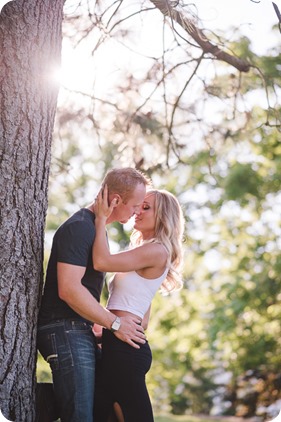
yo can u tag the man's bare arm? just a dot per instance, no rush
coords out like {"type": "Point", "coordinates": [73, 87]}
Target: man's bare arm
{"type": "Point", "coordinates": [72, 291]}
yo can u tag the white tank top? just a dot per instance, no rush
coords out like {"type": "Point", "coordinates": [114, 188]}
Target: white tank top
{"type": "Point", "coordinates": [132, 293]}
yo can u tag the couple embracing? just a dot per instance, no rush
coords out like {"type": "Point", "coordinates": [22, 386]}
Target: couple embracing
{"type": "Point", "coordinates": [86, 386]}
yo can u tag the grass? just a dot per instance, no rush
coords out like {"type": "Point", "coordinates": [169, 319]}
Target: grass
{"type": "Point", "coordinates": [170, 418]}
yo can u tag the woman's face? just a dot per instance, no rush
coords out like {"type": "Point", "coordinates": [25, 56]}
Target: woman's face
{"type": "Point", "coordinates": [145, 220]}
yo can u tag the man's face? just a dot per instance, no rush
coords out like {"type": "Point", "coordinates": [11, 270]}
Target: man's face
{"type": "Point", "coordinates": [123, 212]}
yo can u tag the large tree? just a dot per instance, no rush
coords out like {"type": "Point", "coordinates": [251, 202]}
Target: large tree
{"type": "Point", "coordinates": [30, 46]}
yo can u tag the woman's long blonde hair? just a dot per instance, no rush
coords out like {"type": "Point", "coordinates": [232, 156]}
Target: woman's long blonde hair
{"type": "Point", "coordinates": [169, 226]}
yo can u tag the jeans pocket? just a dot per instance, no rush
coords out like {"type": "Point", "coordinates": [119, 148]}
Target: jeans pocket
{"type": "Point", "coordinates": [47, 346]}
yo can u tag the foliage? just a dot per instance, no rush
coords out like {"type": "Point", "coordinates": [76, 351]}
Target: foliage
{"type": "Point", "coordinates": [254, 393]}
{"type": "Point", "coordinates": [43, 371]}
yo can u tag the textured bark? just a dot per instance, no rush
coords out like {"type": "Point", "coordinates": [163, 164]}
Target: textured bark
{"type": "Point", "coordinates": [30, 45]}
{"type": "Point", "coordinates": [166, 7]}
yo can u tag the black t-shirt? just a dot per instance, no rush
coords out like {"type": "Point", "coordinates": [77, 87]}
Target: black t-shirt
{"type": "Point", "coordinates": [72, 244]}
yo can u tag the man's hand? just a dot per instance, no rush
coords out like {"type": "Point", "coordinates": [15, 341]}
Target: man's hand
{"type": "Point", "coordinates": [97, 330]}
{"type": "Point", "coordinates": [131, 331]}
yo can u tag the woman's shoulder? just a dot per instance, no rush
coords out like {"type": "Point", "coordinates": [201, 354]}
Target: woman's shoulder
{"type": "Point", "coordinates": [158, 251]}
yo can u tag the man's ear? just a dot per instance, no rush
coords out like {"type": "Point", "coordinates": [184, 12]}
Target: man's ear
{"type": "Point", "coordinates": [117, 198]}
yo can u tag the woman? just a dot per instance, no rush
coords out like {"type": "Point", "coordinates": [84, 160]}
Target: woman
{"type": "Point", "coordinates": [153, 262]}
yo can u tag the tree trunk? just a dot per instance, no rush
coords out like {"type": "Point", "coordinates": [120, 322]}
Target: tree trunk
{"type": "Point", "coordinates": [30, 46]}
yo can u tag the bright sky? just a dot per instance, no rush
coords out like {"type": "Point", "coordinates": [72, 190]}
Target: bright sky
{"type": "Point", "coordinates": [255, 20]}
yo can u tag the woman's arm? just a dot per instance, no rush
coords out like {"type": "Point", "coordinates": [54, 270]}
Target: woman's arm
{"type": "Point", "coordinates": [148, 255]}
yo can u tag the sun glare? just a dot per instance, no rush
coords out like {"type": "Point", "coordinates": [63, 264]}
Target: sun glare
{"type": "Point", "coordinates": [76, 70]}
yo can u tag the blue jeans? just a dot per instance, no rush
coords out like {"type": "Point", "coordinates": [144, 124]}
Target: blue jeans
{"type": "Point", "coordinates": [69, 347]}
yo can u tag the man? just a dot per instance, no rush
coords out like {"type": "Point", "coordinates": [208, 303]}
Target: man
{"type": "Point", "coordinates": [70, 303]}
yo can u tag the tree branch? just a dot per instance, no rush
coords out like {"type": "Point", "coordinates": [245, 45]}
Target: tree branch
{"type": "Point", "coordinates": [166, 7]}
{"type": "Point", "coordinates": [278, 14]}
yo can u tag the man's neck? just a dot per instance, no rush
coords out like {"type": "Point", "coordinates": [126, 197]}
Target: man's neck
{"type": "Point", "coordinates": [91, 207]}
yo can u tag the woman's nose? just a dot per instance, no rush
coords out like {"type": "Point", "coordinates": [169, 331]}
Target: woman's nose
{"type": "Point", "coordinates": [138, 210]}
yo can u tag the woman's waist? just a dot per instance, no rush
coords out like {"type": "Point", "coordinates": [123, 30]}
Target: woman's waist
{"type": "Point", "coordinates": [120, 313]}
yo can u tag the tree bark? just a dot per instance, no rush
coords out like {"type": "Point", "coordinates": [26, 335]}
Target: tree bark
{"type": "Point", "coordinates": [166, 7]}
{"type": "Point", "coordinates": [30, 46]}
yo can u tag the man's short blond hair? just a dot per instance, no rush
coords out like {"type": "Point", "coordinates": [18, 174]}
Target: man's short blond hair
{"type": "Point", "coordinates": [123, 181]}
